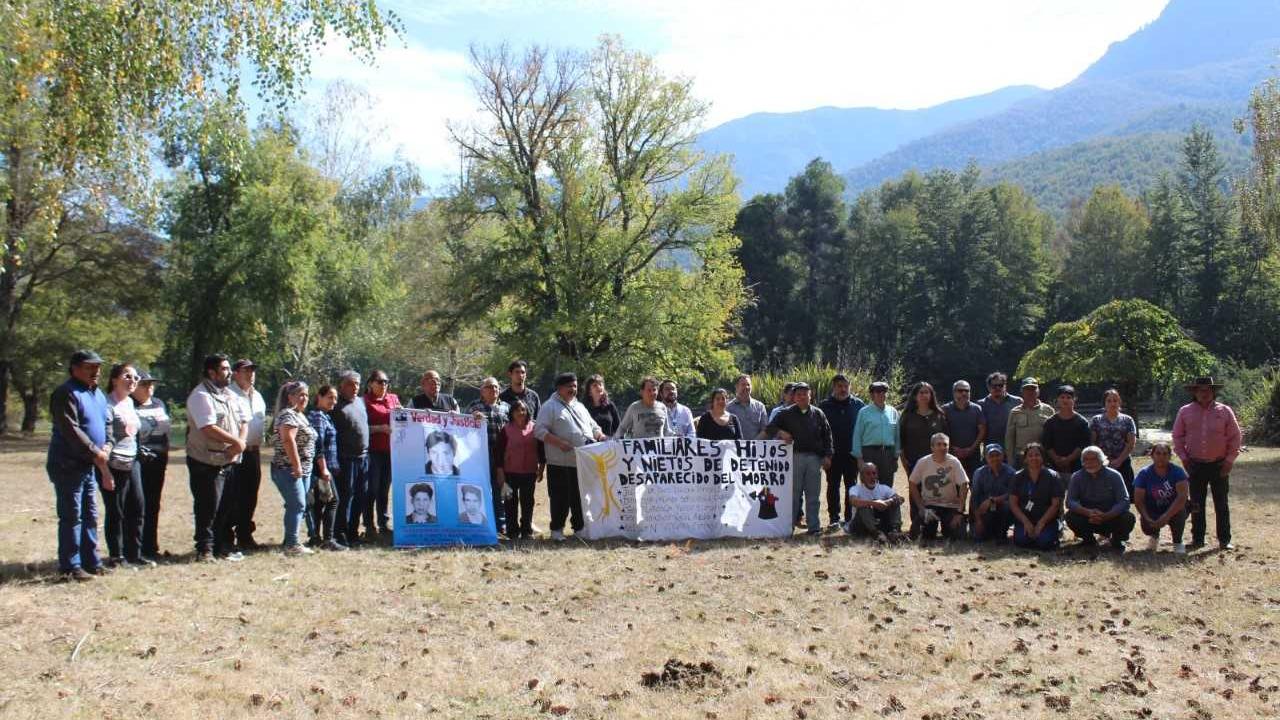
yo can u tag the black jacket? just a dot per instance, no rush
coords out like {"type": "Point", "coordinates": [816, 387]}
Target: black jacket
{"type": "Point", "coordinates": [841, 415]}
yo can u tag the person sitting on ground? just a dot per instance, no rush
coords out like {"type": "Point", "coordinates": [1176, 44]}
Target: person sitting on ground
{"type": "Point", "coordinates": [938, 485]}
{"type": "Point", "coordinates": [1160, 493]}
{"type": "Point", "coordinates": [877, 508]}
{"type": "Point", "coordinates": [989, 506]}
{"type": "Point", "coordinates": [1035, 501]}
{"type": "Point", "coordinates": [1097, 503]}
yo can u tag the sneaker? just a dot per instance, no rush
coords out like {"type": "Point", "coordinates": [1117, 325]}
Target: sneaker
{"type": "Point", "coordinates": [145, 562]}
{"type": "Point", "coordinates": [248, 544]}
{"type": "Point", "coordinates": [1153, 544]}
{"type": "Point", "coordinates": [97, 570]}
{"type": "Point", "coordinates": [834, 525]}
{"type": "Point", "coordinates": [557, 535]}
{"type": "Point", "coordinates": [1179, 549]}
{"type": "Point", "coordinates": [76, 574]}
{"type": "Point", "coordinates": [233, 556]}
{"type": "Point", "coordinates": [205, 556]}
{"type": "Point", "coordinates": [334, 545]}
{"type": "Point", "coordinates": [295, 550]}
{"type": "Point", "coordinates": [1196, 544]}
{"type": "Point", "coordinates": [1228, 545]}
{"type": "Point", "coordinates": [114, 562]}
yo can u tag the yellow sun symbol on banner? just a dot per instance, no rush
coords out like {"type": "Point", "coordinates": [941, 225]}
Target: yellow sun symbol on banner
{"type": "Point", "coordinates": [603, 462]}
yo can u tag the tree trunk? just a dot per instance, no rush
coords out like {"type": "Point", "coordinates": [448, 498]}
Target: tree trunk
{"type": "Point", "coordinates": [4, 396]}
{"type": "Point", "coordinates": [30, 411]}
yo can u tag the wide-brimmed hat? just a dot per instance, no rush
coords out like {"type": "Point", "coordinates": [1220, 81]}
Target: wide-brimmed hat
{"type": "Point", "coordinates": [1202, 381]}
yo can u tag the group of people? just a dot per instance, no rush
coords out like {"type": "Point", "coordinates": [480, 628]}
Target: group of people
{"type": "Point", "coordinates": [331, 458]}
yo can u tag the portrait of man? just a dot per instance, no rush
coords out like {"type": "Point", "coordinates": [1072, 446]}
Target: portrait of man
{"type": "Point", "coordinates": [442, 449]}
{"type": "Point", "coordinates": [471, 502]}
{"type": "Point", "coordinates": [422, 504]}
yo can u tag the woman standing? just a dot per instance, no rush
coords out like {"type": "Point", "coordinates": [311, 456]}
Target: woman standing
{"type": "Point", "coordinates": [920, 420]}
{"type": "Point", "coordinates": [124, 503]}
{"type": "Point", "coordinates": [378, 404]}
{"type": "Point", "coordinates": [153, 457]}
{"type": "Point", "coordinates": [718, 423]}
{"type": "Point", "coordinates": [1116, 433]}
{"type": "Point", "coordinates": [518, 451]}
{"type": "Point", "coordinates": [602, 409]}
{"type": "Point", "coordinates": [322, 498]}
{"type": "Point", "coordinates": [295, 445]}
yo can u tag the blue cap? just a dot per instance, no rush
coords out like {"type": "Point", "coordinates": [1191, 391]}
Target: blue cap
{"type": "Point", "coordinates": [994, 447]}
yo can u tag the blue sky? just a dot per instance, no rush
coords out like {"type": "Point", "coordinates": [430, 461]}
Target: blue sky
{"type": "Point", "coordinates": [744, 56]}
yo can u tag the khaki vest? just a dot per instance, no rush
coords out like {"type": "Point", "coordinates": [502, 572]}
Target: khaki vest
{"type": "Point", "coordinates": [212, 452]}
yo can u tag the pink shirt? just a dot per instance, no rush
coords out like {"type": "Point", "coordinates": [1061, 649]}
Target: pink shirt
{"type": "Point", "coordinates": [1206, 434]}
{"type": "Point", "coordinates": [519, 449]}
{"type": "Point", "coordinates": [379, 412]}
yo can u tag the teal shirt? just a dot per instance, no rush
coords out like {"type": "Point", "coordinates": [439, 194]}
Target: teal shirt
{"type": "Point", "coordinates": [875, 427]}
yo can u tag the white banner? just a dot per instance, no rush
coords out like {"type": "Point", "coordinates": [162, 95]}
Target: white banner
{"type": "Point", "coordinates": [677, 488]}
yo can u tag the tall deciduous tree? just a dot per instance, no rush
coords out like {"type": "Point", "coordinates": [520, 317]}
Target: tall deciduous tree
{"type": "Point", "coordinates": [85, 84]}
{"type": "Point", "coordinates": [610, 246]}
{"type": "Point", "coordinates": [1106, 252]}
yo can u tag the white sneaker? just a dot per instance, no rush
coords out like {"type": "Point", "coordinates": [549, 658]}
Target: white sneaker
{"type": "Point", "coordinates": [557, 535]}
{"type": "Point", "coordinates": [1153, 543]}
{"type": "Point", "coordinates": [233, 556]}
{"type": "Point", "coordinates": [1179, 549]}
{"type": "Point", "coordinates": [299, 550]}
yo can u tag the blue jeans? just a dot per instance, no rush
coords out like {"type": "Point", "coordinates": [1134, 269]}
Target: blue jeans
{"type": "Point", "coordinates": [1047, 540]}
{"type": "Point", "coordinates": [294, 492]}
{"type": "Point", "coordinates": [806, 479]}
{"type": "Point", "coordinates": [375, 505]}
{"type": "Point", "coordinates": [73, 488]}
{"type": "Point", "coordinates": [350, 484]}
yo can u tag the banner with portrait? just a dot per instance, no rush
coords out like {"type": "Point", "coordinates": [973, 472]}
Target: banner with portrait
{"type": "Point", "coordinates": [440, 489]}
{"type": "Point", "coordinates": [677, 488]}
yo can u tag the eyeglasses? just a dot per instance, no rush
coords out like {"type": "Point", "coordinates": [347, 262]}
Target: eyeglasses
{"type": "Point", "coordinates": [129, 377]}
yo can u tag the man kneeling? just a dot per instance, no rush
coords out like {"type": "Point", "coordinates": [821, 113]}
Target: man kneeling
{"type": "Point", "coordinates": [1097, 501]}
{"type": "Point", "coordinates": [939, 485]}
{"type": "Point", "coordinates": [877, 508]}
{"type": "Point", "coordinates": [989, 504]}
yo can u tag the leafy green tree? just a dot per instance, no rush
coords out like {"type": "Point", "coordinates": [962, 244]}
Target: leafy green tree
{"type": "Point", "coordinates": [1169, 266]}
{"type": "Point", "coordinates": [85, 86]}
{"type": "Point", "coordinates": [1208, 239]}
{"type": "Point", "coordinates": [814, 218]}
{"type": "Point", "coordinates": [261, 261]}
{"type": "Point", "coordinates": [771, 265]}
{"type": "Point", "coordinates": [609, 246]}
{"type": "Point", "coordinates": [1128, 342]}
{"type": "Point", "coordinates": [1107, 254]}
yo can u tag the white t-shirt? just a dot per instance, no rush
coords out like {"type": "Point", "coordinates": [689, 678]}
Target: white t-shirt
{"type": "Point", "coordinates": [871, 494]}
{"type": "Point", "coordinates": [252, 406]}
{"type": "Point", "coordinates": [940, 483]}
{"type": "Point", "coordinates": [201, 412]}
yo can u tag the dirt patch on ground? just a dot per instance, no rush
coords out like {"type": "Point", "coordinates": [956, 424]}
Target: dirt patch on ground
{"type": "Point", "coordinates": [679, 675]}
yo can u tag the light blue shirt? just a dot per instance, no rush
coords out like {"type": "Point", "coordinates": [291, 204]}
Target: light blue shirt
{"type": "Point", "coordinates": [875, 427]}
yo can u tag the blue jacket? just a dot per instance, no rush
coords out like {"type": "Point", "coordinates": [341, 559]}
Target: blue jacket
{"type": "Point", "coordinates": [80, 420]}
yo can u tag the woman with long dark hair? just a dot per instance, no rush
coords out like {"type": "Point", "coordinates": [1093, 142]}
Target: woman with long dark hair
{"type": "Point", "coordinates": [322, 495]}
{"type": "Point", "coordinates": [718, 423]}
{"type": "Point", "coordinates": [1036, 501]}
{"type": "Point", "coordinates": [1116, 433]}
{"type": "Point", "coordinates": [920, 420]}
{"type": "Point", "coordinates": [125, 503]}
{"type": "Point", "coordinates": [601, 408]}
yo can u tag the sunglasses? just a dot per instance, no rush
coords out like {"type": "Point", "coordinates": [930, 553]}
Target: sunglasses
{"type": "Point", "coordinates": [996, 385]}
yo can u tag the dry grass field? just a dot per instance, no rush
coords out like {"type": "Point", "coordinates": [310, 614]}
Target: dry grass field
{"type": "Point", "coordinates": [779, 629]}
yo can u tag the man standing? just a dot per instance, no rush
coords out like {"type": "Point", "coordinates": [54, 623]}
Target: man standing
{"type": "Point", "coordinates": [806, 429]}
{"type": "Point", "coordinates": [877, 508]}
{"type": "Point", "coordinates": [77, 446]}
{"type": "Point", "coordinates": [217, 435]}
{"type": "Point", "coordinates": [496, 413]}
{"type": "Point", "coordinates": [431, 398]}
{"type": "Point", "coordinates": [841, 409]}
{"type": "Point", "coordinates": [1026, 422]}
{"type": "Point", "coordinates": [351, 481]}
{"type": "Point", "coordinates": [247, 478]}
{"type": "Point", "coordinates": [788, 396]}
{"type": "Point", "coordinates": [968, 427]}
{"type": "Point", "coordinates": [1206, 437]}
{"type": "Point", "coordinates": [679, 417]}
{"type": "Point", "coordinates": [996, 406]}
{"type": "Point", "coordinates": [751, 414]}
{"type": "Point", "coordinates": [646, 417]}
{"type": "Point", "coordinates": [875, 434]}
{"type": "Point", "coordinates": [564, 424]}
{"type": "Point", "coordinates": [1097, 502]}
{"type": "Point", "coordinates": [1066, 434]}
